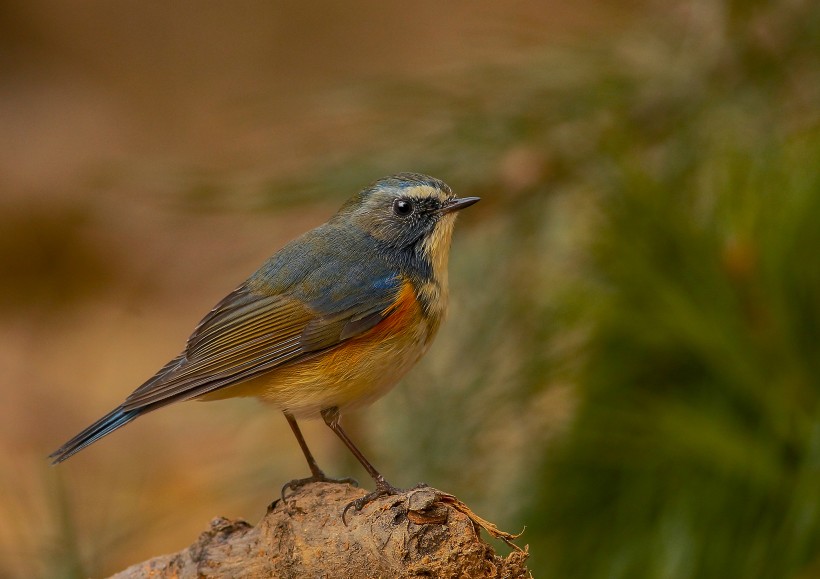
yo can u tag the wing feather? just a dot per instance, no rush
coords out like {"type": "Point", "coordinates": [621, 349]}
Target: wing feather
{"type": "Point", "coordinates": [249, 333]}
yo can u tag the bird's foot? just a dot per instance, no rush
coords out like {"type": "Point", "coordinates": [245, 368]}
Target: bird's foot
{"type": "Point", "coordinates": [383, 489]}
{"type": "Point", "coordinates": [296, 484]}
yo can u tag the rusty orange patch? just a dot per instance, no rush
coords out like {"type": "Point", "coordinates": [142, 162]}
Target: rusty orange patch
{"type": "Point", "coordinates": [402, 313]}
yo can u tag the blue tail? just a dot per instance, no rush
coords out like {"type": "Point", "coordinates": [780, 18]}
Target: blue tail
{"type": "Point", "coordinates": [105, 425]}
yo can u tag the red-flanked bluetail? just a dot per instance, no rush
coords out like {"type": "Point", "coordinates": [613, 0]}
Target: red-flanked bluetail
{"type": "Point", "coordinates": [329, 323]}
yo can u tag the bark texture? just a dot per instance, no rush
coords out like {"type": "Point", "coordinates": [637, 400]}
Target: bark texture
{"type": "Point", "coordinates": [420, 533]}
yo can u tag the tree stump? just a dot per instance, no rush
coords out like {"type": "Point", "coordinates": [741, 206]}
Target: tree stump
{"type": "Point", "coordinates": [419, 533]}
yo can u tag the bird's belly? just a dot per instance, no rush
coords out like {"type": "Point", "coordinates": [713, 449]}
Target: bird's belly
{"type": "Point", "coordinates": [350, 375]}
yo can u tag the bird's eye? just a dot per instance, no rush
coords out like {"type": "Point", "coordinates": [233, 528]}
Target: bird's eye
{"type": "Point", "coordinates": [402, 207]}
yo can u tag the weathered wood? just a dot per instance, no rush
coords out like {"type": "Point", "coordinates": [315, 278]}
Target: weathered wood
{"type": "Point", "coordinates": [420, 533]}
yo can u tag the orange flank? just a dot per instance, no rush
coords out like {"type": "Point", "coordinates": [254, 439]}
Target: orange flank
{"type": "Point", "coordinates": [404, 312]}
{"type": "Point", "coordinates": [352, 374]}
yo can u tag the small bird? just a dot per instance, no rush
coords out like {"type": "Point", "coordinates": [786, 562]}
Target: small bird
{"type": "Point", "coordinates": [329, 323]}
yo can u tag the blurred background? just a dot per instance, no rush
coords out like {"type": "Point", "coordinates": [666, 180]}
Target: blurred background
{"type": "Point", "coordinates": [631, 364]}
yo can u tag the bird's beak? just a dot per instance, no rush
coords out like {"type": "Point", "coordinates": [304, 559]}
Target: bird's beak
{"type": "Point", "coordinates": [458, 204]}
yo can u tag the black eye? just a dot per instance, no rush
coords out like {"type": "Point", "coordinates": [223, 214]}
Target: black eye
{"type": "Point", "coordinates": [402, 207]}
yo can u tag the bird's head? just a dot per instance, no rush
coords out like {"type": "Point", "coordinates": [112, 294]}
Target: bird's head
{"type": "Point", "coordinates": [408, 210]}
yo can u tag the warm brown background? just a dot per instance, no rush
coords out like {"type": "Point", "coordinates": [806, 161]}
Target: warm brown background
{"type": "Point", "coordinates": [137, 145]}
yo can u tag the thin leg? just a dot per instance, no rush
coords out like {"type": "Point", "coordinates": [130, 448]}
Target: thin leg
{"type": "Point", "coordinates": [316, 473]}
{"type": "Point", "coordinates": [314, 468]}
{"type": "Point", "coordinates": [331, 418]}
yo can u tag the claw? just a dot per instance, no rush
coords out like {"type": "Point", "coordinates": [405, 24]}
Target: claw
{"type": "Point", "coordinates": [383, 488]}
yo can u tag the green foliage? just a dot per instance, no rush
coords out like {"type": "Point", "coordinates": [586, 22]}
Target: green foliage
{"type": "Point", "coordinates": [696, 450]}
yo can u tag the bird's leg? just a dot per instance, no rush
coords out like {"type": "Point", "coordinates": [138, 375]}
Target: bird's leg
{"type": "Point", "coordinates": [331, 418]}
{"type": "Point", "coordinates": [316, 473]}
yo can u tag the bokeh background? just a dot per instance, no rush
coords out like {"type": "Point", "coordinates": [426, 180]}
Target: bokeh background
{"type": "Point", "coordinates": [631, 367]}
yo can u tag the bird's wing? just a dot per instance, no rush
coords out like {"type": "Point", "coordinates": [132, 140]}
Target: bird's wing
{"type": "Point", "coordinates": [249, 333]}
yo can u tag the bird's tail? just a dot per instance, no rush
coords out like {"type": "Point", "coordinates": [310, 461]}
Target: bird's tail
{"type": "Point", "coordinates": [105, 425]}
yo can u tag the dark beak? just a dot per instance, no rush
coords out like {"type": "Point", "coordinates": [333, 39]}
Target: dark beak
{"type": "Point", "coordinates": [458, 204]}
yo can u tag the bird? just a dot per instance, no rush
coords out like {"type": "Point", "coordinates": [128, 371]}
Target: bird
{"type": "Point", "coordinates": [329, 323]}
